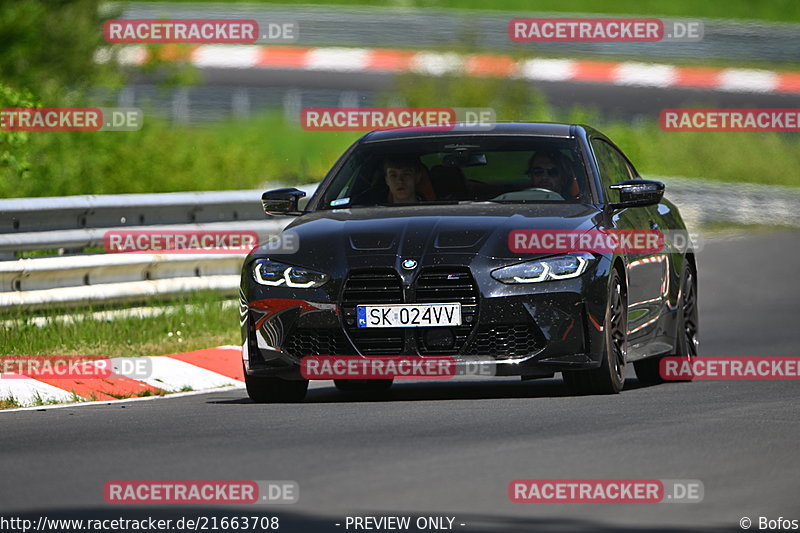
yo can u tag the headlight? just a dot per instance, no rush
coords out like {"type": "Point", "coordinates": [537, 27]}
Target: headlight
{"type": "Point", "coordinates": [551, 268]}
{"type": "Point", "coordinates": [274, 274]}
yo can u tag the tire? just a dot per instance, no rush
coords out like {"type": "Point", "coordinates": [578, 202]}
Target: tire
{"type": "Point", "coordinates": [688, 324]}
{"type": "Point", "coordinates": [647, 370]}
{"type": "Point", "coordinates": [609, 378]}
{"type": "Point", "coordinates": [275, 390]}
{"type": "Point", "coordinates": [366, 385]}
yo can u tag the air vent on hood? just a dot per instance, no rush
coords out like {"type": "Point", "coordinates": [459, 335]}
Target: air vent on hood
{"type": "Point", "coordinates": [372, 241]}
{"type": "Point", "coordinates": [458, 239]}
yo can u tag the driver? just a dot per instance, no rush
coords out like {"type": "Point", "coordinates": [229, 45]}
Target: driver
{"type": "Point", "coordinates": [402, 175]}
{"type": "Point", "coordinates": [547, 178]}
{"type": "Point", "coordinates": [545, 170]}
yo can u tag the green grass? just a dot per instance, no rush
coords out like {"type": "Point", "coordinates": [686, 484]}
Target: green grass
{"type": "Point", "coordinates": [195, 321]}
{"type": "Point", "coordinates": [268, 149]}
{"type": "Point", "coordinates": [74, 398]}
{"type": "Point", "coordinates": [203, 324]}
{"type": "Point", "coordinates": [727, 228]}
{"type": "Point", "coordinates": [765, 158]}
{"type": "Point", "coordinates": [39, 401]}
{"type": "Point", "coordinates": [142, 394]}
{"type": "Point", "coordinates": [772, 10]}
{"type": "Point", "coordinates": [9, 402]}
{"type": "Point", "coordinates": [164, 158]}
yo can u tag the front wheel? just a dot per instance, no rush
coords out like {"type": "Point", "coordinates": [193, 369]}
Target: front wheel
{"type": "Point", "coordinates": [647, 370]}
{"type": "Point", "coordinates": [610, 377]}
{"type": "Point", "coordinates": [275, 390]}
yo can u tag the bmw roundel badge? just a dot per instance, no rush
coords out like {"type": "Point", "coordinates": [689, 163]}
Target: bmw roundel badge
{"type": "Point", "coordinates": [409, 264]}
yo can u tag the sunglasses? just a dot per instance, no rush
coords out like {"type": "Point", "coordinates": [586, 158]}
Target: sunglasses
{"type": "Point", "coordinates": [540, 171]}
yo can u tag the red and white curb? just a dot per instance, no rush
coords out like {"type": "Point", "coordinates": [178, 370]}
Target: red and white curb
{"type": "Point", "coordinates": [200, 370]}
{"type": "Point", "coordinates": [333, 59]}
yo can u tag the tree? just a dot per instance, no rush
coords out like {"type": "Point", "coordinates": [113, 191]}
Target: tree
{"type": "Point", "coordinates": [48, 47]}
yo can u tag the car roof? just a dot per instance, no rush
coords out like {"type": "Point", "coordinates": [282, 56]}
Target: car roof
{"type": "Point", "coordinates": [536, 129]}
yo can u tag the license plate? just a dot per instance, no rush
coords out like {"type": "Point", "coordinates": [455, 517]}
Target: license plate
{"type": "Point", "coordinates": [408, 315]}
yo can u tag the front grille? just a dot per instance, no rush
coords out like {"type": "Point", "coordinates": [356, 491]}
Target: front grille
{"type": "Point", "coordinates": [306, 341]}
{"type": "Point", "coordinates": [378, 341]}
{"type": "Point", "coordinates": [378, 286]}
{"type": "Point", "coordinates": [503, 342]}
{"type": "Point", "coordinates": [444, 285]}
{"type": "Point", "coordinates": [372, 287]}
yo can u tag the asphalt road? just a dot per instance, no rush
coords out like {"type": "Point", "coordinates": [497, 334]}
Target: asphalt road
{"type": "Point", "coordinates": [451, 449]}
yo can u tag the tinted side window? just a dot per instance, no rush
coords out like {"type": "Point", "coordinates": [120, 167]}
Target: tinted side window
{"type": "Point", "coordinates": [613, 166]}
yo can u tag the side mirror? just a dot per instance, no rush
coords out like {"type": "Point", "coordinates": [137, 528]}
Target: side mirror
{"type": "Point", "coordinates": [637, 193]}
{"type": "Point", "coordinates": [281, 202]}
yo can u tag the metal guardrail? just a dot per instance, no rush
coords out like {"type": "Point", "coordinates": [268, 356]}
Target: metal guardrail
{"type": "Point", "coordinates": [62, 281]}
{"type": "Point", "coordinates": [705, 202]}
{"type": "Point", "coordinates": [111, 211]}
{"type": "Point", "coordinates": [71, 224]}
{"type": "Point", "coordinates": [67, 226]}
{"type": "Point", "coordinates": [79, 239]}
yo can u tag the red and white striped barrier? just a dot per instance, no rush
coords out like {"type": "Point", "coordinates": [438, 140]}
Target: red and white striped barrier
{"type": "Point", "coordinates": [335, 59]}
{"type": "Point", "coordinates": [199, 370]}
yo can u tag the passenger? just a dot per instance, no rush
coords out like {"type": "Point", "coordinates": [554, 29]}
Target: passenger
{"type": "Point", "coordinates": [403, 175]}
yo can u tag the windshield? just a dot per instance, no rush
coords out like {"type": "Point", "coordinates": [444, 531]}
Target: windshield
{"type": "Point", "coordinates": [459, 169]}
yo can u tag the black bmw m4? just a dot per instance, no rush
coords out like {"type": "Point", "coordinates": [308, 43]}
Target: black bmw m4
{"type": "Point", "coordinates": [408, 248]}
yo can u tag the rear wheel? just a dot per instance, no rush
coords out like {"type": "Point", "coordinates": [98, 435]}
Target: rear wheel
{"type": "Point", "coordinates": [275, 390]}
{"type": "Point", "coordinates": [609, 378]}
{"type": "Point", "coordinates": [363, 385]}
{"type": "Point", "coordinates": [647, 370]}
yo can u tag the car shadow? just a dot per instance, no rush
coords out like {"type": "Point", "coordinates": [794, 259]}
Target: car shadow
{"type": "Point", "coordinates": [415, 391]}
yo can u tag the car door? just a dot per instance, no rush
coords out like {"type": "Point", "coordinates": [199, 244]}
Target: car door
{"type": "Point", "coordinates": [646, 271]}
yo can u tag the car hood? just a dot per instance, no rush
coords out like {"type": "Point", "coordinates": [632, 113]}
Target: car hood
{"type": "Point", "coordinates": [327, 237]}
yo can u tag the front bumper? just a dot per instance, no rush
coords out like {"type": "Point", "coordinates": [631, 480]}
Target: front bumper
{"type": "Point", "coordinates": [528, 330]}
